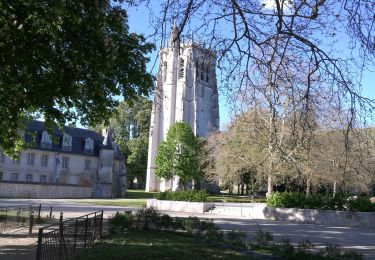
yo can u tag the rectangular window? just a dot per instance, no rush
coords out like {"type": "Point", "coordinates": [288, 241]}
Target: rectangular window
{"type": "Point", "coordinates": [43, 178]}
{"type": "Point", "coordinates": [1, 176]}
{"type": "Point", "coordinates": [65, 163]}
{"type": "Point", "coordinates": [30, 158]}
{"type": "Point", "coordinates": [87, 165]}
{"type": "Point", "coordinates": [44, 161]}
{"type": "Point", "coordinates": [29, 177]}
{"type": "Point", "coordinates": [14, 177]}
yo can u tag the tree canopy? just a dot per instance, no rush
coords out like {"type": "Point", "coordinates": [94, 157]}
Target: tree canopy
{"type": "Point", "coordinates": [130, 124]}
{"type": "Point", "coordinates": [178, 155]}
{"type": "Point", "coordinates": [66, 61]}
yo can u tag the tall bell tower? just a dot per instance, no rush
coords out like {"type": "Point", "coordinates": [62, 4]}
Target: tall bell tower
{"type": "Point", "coordinates": [186, 90]}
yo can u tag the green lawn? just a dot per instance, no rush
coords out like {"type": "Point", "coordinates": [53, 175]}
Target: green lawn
{"type": "Point", "coordinates": [136, 244]}
{"type": "Point", "coordinates": [138, 198]}
{"type": "Point", "coordinates": [133, 198]}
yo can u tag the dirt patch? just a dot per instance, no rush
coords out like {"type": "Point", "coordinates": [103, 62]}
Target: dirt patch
{"type": "Point", "coordinates": [16, 244]}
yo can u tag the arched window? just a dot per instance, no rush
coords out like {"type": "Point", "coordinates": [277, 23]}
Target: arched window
{"type": "Point", "coordinates": [89, 145]}
{"type": "Point", "coordinates": [182, 68]}
{"type": "Point", "coordinates": [66, 143]}
{"type": "Point", "coordinates": [46, 141]}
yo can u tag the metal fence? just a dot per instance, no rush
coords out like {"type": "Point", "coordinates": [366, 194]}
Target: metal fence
{"type": "Point", "coordinates": [66, 239]}
{"type": "Point", "coordinates": [17, 216]}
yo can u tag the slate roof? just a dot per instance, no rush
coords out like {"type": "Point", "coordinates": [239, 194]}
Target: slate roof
{"type": "Point", "coordinates": [35, 129]}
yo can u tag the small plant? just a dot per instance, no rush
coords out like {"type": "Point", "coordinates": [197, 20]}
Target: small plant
{"type": "Point", "coordinates": [120, 222]}
{"type": "Point", "coordinates": [263, 238]}
{"type": "Point", "coordinates": [304, 245]}
{"type": "Point", "coordinates": [286, 247]}
{"type": "Point", "coordinates": [236, 236]}
{"type": "Point", "coordinates": [333, 251]}
{"type": "Point", "coordinates": [147, 218]}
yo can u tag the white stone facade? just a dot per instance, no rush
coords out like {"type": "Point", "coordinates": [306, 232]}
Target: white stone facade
{"type": "Point", "coordinates": [186, 90]}
{"type": "Point", "coordinates": [76, 158]}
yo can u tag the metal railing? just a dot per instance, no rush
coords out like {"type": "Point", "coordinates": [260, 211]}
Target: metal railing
{"type": "Point", "coordinates": [18, 216]}
{"type": "Point", "coordinates": [67, 238]}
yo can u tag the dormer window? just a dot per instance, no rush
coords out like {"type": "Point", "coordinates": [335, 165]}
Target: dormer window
{"type": "Point", "coordinates": [66, 143]}
{"type": "Point", "coordinates": [46, 141]}
{"type": "Point", "coordinates": [89, 146]}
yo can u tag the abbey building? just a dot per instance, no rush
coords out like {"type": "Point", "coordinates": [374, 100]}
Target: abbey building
{"type": "Point", "coordinates": [186, 90]}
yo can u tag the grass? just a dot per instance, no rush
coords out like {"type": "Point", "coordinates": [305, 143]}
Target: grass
{"type": "Point", "coordinates": [133, 198]}
{"type": "Point", "coordinates": [138, 198]}
{"type": "Point", "coordinates": [137, 244]}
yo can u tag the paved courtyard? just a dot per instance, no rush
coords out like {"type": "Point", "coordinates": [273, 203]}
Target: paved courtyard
{"type": "Point", "coordinates": [358, 239]}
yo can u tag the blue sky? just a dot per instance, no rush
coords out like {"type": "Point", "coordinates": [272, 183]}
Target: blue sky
{"type": "Point", "coordinates": [139, 23]}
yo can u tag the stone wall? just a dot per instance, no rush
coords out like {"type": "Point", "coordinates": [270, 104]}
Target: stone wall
{"type": "Point", "coordinates": [43, 191]}
{"type": "Point", "coordinates": [310, 216]}
{"type": "Point", "coordinates": [182, 206]}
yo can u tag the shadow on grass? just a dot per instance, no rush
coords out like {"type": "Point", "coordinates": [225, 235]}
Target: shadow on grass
{"type": "Point", "coordinates": [157, 245]}
{"type": "Point", "coordinates": [17, 252]}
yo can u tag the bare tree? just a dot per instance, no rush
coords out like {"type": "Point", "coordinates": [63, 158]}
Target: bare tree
{"type": "Point", "coordinates": [286, 57]}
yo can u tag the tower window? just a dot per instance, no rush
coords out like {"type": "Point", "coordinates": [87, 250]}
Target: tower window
{"type": "Point", "coordinates": [182, 69]}
{"type": "Point", "coordinates": [202, 75]}
{"type": "Point", "coordinates": [196, 69]}
{"type": "Point", "coordinates": [165, 71]}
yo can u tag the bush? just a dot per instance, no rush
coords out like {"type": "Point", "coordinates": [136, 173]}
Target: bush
{"type": "Point", "coordinates": [319, 201]}
{"type": "Point", "coordinates": [120, 222]}
{"type": "Point", "coordinates": [147, 218]}
{"type": "Point", "coordinates": [236, 236]}
{"type": "Point", "coordinates": [360, 204]}
{"type": "Point", "coordinates": [187, 195]}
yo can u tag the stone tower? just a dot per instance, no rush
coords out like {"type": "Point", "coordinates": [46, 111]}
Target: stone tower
{"type": "Point", "coordinates": [186, 90]}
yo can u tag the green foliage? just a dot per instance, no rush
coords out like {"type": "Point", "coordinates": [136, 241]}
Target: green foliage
{"type": "Point", "coordinates": [179, 154]}
{"type": "Point", "coordinates": [131, 124]}
{"type": "Point", "coordinates": [236, 236]}
{"type": "Point", "coordinates": [66, 61]}
{"type": "Point", "coordinates": [360, 204]}
{"type": "Point", "coordinates": [147, 218]}
{"type": "Point", "coordinates": [320, 201]}
{"type": "Point", "coordinates": [184, 195]}
{"type": "Point", "coordinates": [120, 222]}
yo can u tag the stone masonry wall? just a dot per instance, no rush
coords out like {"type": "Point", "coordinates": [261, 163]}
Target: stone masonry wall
{"type": "Point", "coordinates": [43, 191]}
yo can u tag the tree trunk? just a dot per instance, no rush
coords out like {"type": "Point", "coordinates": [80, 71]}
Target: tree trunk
{"type": "Point", "coordinates": [242, 188]}
{"type": "Point", "coordinates": [238, 189]}
{"type": "Point", "coordinates": [308, 186]}
{"type": "Point", "coordinates": [334, 187]}
{"type": "Point", "coordinates": [269, 186]}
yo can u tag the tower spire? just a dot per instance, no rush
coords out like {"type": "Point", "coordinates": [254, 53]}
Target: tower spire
{"type": "Point", "coordinates": [174, 34]}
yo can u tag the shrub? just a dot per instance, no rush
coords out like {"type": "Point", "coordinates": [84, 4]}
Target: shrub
{"type": "Point", "coordinates": [120, 222]}
{"type": "Point", "coordinates": [360, 204]}
{"type": "Point", "coordinates": [319, 201]}
{"type": "Point", "coordinates": [187, 195]}
{"type": "Point", "coordinates": [236, 236]}
{"type": "Point", "coordinates": [147, 218]}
